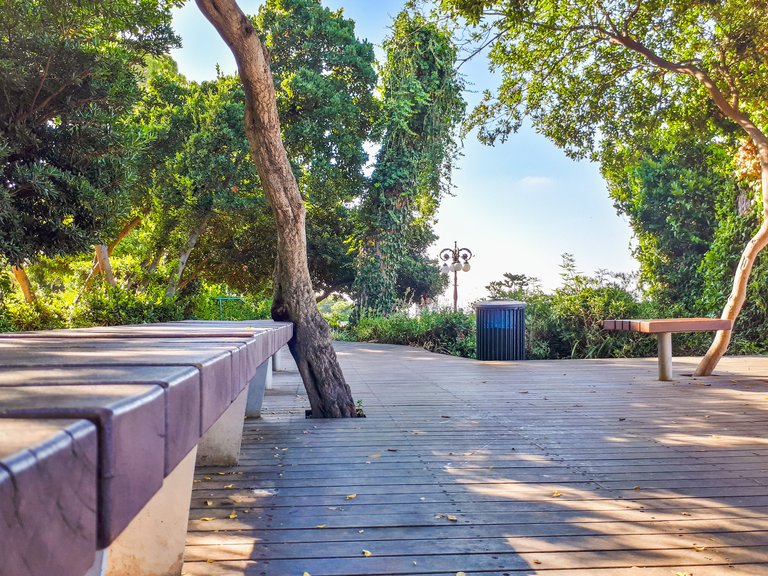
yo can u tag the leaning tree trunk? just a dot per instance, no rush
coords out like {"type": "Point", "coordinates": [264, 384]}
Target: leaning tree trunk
{"type": "Point", "coordinates": [20, 275]}
{"type": "Point", "coordinates": [294, 299]}
{"type": "Point", "coordinates": [741, 278]}
{"type": "Point", "coordinates": [104, 264]}
{"type": "Point", "coordinates": [96, 268]}
{"type": "Point", "coordinates": [194, 236]}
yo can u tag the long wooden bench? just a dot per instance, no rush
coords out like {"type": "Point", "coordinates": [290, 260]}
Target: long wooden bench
{"type": "Point", "coordinates": [153, 400]}
{"type": "Point", "coordinates": [664, 328]}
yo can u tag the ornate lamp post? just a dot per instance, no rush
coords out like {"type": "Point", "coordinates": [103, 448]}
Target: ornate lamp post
{"type": "Point", "coordinates": [459, 258]}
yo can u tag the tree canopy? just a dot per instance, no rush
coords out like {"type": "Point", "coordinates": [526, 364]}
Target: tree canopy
{"type": "Point", "coordinates": [69, 71]}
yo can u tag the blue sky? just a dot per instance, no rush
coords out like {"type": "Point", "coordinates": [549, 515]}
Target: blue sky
{"type": "Point", "coordinates": [518, 206]}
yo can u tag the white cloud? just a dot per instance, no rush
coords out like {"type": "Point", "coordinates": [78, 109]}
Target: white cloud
{"type": "Point", "coordinates": [535, 182]}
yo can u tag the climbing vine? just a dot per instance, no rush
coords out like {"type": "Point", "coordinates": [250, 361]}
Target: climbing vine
{"type": "Point", "coordinates": [421, 107]}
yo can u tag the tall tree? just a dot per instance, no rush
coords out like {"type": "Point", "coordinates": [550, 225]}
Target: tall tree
{"type": "Point", "coordinates": [422, 106]}
{"type": "Point", "coordinates": [670, 189]}
{"type": "Point", "coordinates": [68, 74]}
{"type": "Point", "coordinates": [293, 298]}
{"type": "Point", "coordinates": [588, 72]}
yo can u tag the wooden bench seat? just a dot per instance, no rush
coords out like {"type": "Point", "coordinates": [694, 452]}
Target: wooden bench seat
{"type": "Point", "coordinates": [159, 397]}
{"type": "Point", "coordinates": [664, 328]}
{"type": "Point", "coordinates": [47, 496]}
{"type": "Point", "coordinates": [131, 427]}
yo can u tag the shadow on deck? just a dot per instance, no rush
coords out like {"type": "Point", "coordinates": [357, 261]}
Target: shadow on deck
{"type": "Point", "coordinates": [589, 468]}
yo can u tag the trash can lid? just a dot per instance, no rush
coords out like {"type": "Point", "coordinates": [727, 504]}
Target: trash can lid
{"type": "Point", "coordinates": [500, 304]}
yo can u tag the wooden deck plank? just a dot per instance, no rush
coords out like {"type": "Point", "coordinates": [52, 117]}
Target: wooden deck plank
{"type": "Point", "coordinates": [573, 467]}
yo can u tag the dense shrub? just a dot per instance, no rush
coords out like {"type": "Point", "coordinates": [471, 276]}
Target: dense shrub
{"type": "Point", "coordinates": [444, 332]}
{"type": "Point", "coordinates": [113, 305]}
{"type": "Point", "coordinates": [202, 305]}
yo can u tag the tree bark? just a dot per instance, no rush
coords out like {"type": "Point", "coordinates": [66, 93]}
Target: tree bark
{"type": "Point", "coordinates": [21, 278]}
{"type": "Point", "coordinates": [329, 394]}
{"type": "Point", "coordinates": [129, 226]}
{"type": "Point", "coordinates": [104, 264]}
{"type": "Point", "coordinates": [110, 248]}
{"type": "Point", "coordinates": [194, 236]}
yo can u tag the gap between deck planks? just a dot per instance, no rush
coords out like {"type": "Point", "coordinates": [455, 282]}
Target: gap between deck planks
{"type": "Point", "coordinates": [592, 468]}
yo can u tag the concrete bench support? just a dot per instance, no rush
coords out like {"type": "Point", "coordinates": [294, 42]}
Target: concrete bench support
{"type": "Point", "coordinates": [153, 543]}
{"type": "Point", "coordinates": [277, 361]}
{"type": "Point", "coordinates": [220, 445]}
{"type": "Point", "coordinates": [665, 355]}
{"type": "Point", "coordinates": [256, 388]}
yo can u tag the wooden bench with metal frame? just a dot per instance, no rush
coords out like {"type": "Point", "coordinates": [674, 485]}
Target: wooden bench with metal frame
{"type": "Point", "coordinates": [663, 328]}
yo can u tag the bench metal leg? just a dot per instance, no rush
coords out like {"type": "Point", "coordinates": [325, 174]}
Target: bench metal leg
{"type": "Point", "coordinates": [665, 355]}
{"type": "Point", "coordinates": [153, 543]}
{"type": "Point", "coordinates": [256, 389]}
{"type": "Point", "coordinates": [220, 446]}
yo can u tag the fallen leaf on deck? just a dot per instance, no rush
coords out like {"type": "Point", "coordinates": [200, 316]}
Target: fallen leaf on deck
{"type": "Point", "coordinates": [375, 456]}
{"type": "Point", "coordinates": [556, 494]}
{"type": "Point", "coordinates": [699, 548]}
{"type": "Point", "coordinates": [307, 574]}
{"type": "Point", "coordinates": [228, 486]}
{"type": "Point", "coordinates": [460, 574]}
{"type": "Point", "coordinates": [320, 526]}
{"type": "Point", "coordinates": [206, 477]}
{"type": "Point", "coordinates": [685, 513]}
{"type": "Point", "coordinates": [367, 553]}
{"type": "Point", "coordinates": [351, 496]}
{"type": "Point", "coordinates": [636, 488]}
{"type": "Point", "coordinates": [210, 561]}
{"type": "Point", "coordinates": [207, 519]}
{"type": "Point", "coordinates": [452, 518]}
{"type": "Point", "coordinates": [537, 561]}
{"type": "Point", "coordinates": [233, 515]}
{"type": "Point", "coordinates": [209, 502]}
{"type": "Point", "coordinates": [391, 449]}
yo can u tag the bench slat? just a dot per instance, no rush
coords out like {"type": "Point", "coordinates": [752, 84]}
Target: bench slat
{"type": "Point", "coordinates": [657, 326]}
{"type": "Point", "coordinates": [131, 428]}
{"type": "Point", "coordinates": [181, 385]}
{"type": "Point", "coordinates": [47, 496]}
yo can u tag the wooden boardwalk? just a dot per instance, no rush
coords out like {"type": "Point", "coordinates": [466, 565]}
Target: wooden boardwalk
{"type": "Point", "coordinates": [586, 468]}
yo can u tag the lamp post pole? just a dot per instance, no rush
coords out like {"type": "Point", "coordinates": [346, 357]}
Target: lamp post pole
{"type": "Point", "coordinates": [459, 258]}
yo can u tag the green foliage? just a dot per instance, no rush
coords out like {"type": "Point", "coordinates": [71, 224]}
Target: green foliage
{"type": "Point", "coordinates": [17, 315]}
{"type": "Point", "coordinates": [337, 312]}
{"type": "Point", "coordinates": [672, 190]}
{"type": "Point", "coordinates": [68, 76]}
{"type": "Point", "coordinates": [204, 306]}
{"type": "Point", "coordinates": [444, 332]}
{"type": "Point", "coordinates": [586, 73]}
{"type": "Point", "coordinates": [567, 322]}
{"type": "Point", "coordinates": [113, 306]}
{"type": "Point", "coordinates": [422, 105]}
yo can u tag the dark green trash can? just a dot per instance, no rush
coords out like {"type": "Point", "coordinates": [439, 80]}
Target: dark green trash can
{"type": "Point", "coordinates": [500, 330]}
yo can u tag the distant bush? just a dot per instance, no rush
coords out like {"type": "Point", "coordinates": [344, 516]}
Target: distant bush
{"type": "Point", "coordinates": [17, 315]}
{"type": "Point", "coordinates": [106, 305]}
{"type": "Point", "coordinates": [443, 332]}
{"type": "Point", "coordinates": [202, 305]}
